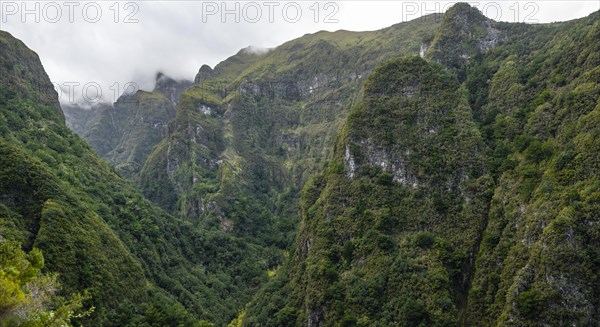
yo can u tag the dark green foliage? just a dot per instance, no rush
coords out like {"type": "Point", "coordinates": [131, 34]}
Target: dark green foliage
{"type": "Point", "coordinates": [539, 187]}
{"type": "Point", "coordinates": [28, 296]}
{"type": "Point", "coordinates": [94, 228]}
{"type": "Point", "coordinates": [458, 189]}
{"type": "Point", "coordinates": [374, 249]}
{"type": "Point", "coordinates": [463, 247]}
{"type": "Point", "coordinates": [465, 33]}
{"type": "Point", "coordinates": [248, 136]}
{"type": "Point", "coordinates": [529, 303]}
{"type": "Point", "coordinates": [424, 240]}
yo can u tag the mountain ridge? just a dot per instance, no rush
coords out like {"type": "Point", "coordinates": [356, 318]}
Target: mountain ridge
{"type": "Point", "coordinates": [436, 172]}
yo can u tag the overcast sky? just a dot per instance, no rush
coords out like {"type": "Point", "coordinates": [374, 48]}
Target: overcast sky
{"type": "Point", "coordinates": [112, 43]}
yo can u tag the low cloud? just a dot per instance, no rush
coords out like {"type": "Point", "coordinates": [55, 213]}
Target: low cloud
{"type": "Point", "coordinates": [127, 43]}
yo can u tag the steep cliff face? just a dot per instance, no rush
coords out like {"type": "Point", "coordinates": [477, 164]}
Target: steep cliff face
{"type": "Point", "coordinates": [126, 132]}
{"type": "Point", "coordinates": [540, 247]}
{"type": "Point", "coordinates": [461, 194]}
{"type": "Point", "coordinates": [145, 119]}
{"type": "Point", "coordinates": [404, 115]}
{"type": "Point", "coordinates": [24, 77]}
{"type": "Point", "coordinates": [57, 195]}
{"type": "Point", "coordinates": [455, 188]}
{"type": "Point", "coordinates": [464, 35]}
{"type": "Point", "coordinates": [389, 232]}
{"type": "Point", "coordinates": [170, 88]}
{"type": "Point", "coordinates": [98, 125]}
{"type": "Point", "coordinates": [260, 124]}
{"type": "Point", "coordinates": [254, 129]}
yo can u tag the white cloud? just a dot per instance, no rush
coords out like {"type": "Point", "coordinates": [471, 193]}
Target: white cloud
{"type": "Point", "coordinates": [177, 37]}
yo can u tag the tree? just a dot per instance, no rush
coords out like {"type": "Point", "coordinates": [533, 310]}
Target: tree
{"type": "Point", "coordinates": [27, 295]}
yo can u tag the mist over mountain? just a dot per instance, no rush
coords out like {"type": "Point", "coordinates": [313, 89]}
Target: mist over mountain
{"type": "Point", "coordinates": [439, 172]}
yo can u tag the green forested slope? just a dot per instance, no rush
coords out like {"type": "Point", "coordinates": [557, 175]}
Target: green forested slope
{"type": "Point", "coordinates": [124, 133]}
{"type": "Point", "coordinates": [459, 188]}
{"type": "Point", "coordinates": [271, 116]}
{"type": "Point", "coordinates": [467, 202]}
{"type": "Point", "coordinates": [388, 230]}
{"type": "Point", "coordinates": [93, 227]}
{"type": "Point", "coordinates": [255, 128]}
{"type": "Point", "coordinates": [538, 263]}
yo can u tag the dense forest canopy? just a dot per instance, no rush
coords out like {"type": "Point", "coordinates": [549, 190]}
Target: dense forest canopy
{"type": "Point", "coordinates": [438, 172]}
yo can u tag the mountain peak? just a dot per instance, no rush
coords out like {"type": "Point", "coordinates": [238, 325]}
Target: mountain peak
{"type": "Point", "coordinates": [161, 78]}
{"type": "Point", "coordinates": [160, 75]}
{"type": "Point", "coordinates": [464, 33]}
{"type": "Point", "coordinates": [24, 76]}
{"type": "Point", "coordinates": [464, 10]}
{"type": "Point", "coordinates": [254, 50]}
{"type": "Point", "coordinates": [170, 87]}
{"type": "Point", "coordinates": [204, 72]}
